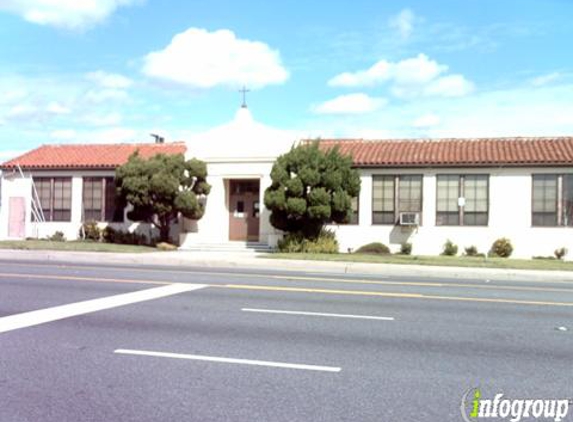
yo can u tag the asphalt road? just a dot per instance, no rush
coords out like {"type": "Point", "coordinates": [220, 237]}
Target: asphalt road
{"type": "Point", "coordinates": [200, 344]}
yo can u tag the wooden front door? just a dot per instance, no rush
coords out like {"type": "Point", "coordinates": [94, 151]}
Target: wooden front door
{"type": "Point", "coordinates": [17, 218]}
{"type": "Point", "coordinates": [244, 209]}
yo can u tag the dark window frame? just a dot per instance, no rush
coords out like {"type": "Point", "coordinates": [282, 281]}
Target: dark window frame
{"type": "Point", "coordinates": [59, 197]}
{"type": "Point", "coordinates": [461, 210]}
{"type": "Point", "coordinates": [93, 213]}
{"type": "Point", "coordinates": [395, 178]}
{"type": "Point", "coordinates": [560, 216]}
{"type": "Point", "coordinates": [108, 210]}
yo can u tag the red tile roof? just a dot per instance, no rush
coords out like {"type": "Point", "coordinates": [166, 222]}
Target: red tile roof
{"type": "Point", "coordinates": [454, 152]}
{"type": "Point", "coordinates": [88, 156]}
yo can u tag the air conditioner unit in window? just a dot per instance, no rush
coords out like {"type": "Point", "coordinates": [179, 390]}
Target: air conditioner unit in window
{"type": "Point", "coordinates": [409, 218]}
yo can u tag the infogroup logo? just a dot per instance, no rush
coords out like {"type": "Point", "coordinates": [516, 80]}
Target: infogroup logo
{"type": "Point", "coordinates": [475, 407]}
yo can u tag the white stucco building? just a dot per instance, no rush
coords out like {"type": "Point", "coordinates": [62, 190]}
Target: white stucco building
{"type": "Point", "coordinates": [73, 184]}
{"type": "Point", "coordinates": [471, 191]}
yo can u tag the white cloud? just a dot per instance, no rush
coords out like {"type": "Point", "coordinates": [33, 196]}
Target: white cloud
{"type": "Point", "coordinates": [449, 86]}
{"type": "Point", "coordinates": [113, 135]}
{"type": "Point", "coordinates": [35, 112]}
{"type": "Point", "coordinates": [403, 22]}
{"type": "Point", "coordinates": [379, 73]}
{"type": "Point", "coordinates": [10, 95]}
{"type": "Point", "coordinates": [109, 119]}
{"type": "Point", "coordinates": [63, 135]}
{"type": "Point", "coordinates": [69, 14]}
{"type": "Point", "coordinates": [65, 109]}
{"type": "Point", "coordinates": [409, 78]}
{"type": "Point", "coordinates": [520, 111]}
{"type": "Point", "coordinates": [546, 79]}
{"type": "Point", "coordinates": [546, 111]}
{"type": "Point", "coordinates": [57, 108]}
{"type": "Point", "coordinates": [416, 70]}
{"type": "Point", "coordinates": [106, 95]}
{"type": "Point", "coordinates": [350, 104]}
{"type": "Point", "coordinates": [109, 87]}
{"type": "Point", "coordinates": [426, 121]}
{"type": "Point", "coordinates": [21, 111]}
{"type": "Point", "coordinates": [103, 136]}
{"type": "Point", "coordinates": [8, 155]}
{"type": "Point", "coordinates": [109, 80]}
{"type": "Point", "coordinates": [203, 59]}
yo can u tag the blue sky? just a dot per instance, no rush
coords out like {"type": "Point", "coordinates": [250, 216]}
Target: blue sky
{"type": "Point", "coordinates": [100, 71]}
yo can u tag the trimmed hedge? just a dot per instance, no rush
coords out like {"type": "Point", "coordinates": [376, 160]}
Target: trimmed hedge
{"type": "Point", "coordinates": [450, 248]}
{"type": "Point", "coordinates": [472, 251]}
{"type": "Point", "coordinates": [406, 248]}
{"type": "Point", "coordinates": [111, 235]}
{"type": "Point", "coordinates": [375, 248]}
{"type": "Point", "coordinates": [296, 243]}
{"type": "Point", "coordinates": [91, 231]}
{"type": "Point", "coordinates": [502, 248]}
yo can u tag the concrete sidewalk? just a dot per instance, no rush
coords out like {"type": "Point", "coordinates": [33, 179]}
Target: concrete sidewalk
{"type": "Point", "coordinates": [248, 261]}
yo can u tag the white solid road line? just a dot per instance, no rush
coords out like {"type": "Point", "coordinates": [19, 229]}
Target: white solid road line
{"type": "Point", "coordinates": [28, 319]}
{"type": "Point", "coordinates": [273, 311]}
{"type": "Point", "coordinates": [228, 360]}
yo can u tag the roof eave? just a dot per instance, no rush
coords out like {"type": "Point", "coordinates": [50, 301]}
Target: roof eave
{"type": "Point", "coordinates": [60, 168]}
{"type": "Point", "coordinates": [460, 165]}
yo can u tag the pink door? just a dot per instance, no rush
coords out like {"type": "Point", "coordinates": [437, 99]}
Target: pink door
{"type": "Point", "coordinates": [17, 225]}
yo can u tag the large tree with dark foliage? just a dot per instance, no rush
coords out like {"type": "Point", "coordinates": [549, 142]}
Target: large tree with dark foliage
{"type": "Point", "coordinates": [310, 188]}
{"type": "Point", "coordinates": [162, 187]}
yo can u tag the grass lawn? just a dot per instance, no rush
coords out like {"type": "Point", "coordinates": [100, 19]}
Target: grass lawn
{"type": "Point", "coordinates": [75, 246]}
{"type": "Point", "coordinates": [447, 261]}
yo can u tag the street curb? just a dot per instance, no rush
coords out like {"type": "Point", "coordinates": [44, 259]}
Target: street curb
{"type": "Point", "coordinates": [251, 261]}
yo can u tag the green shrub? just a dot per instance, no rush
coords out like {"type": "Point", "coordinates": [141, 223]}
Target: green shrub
{"type": "Point", "coordinates": [471, 251]}
{"type": "Point", "coordinates": [296, 243]}
{"type": "Point", "coordinates": [291, 243]}
{"type": "Point", "coordinates": [502, 248]}
{"type": "Point", "coordinates": [450, 248]}
{"type": "Point", "coordinates": [560, 253]}
{"type": "Point", "coordinates": [321, 245]}
{"type": "Point", "coordinates": [57, 237]}
{"type": "Point", "coordinates": [406, 248]}
{"type": "Point", "coordinates": [374, 248]}
{"type": "Point", "coordinates": [91, 231]}
{"type": "Point", "coordinates": [545, 258]}
{"type": "Point", "coordinates": [111, 235]}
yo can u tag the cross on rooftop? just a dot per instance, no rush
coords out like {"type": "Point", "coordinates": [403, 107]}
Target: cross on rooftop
{"type": "Point", "coordinates": [244, 92]}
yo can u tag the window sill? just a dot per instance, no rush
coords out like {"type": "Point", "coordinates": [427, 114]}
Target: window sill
{"type": "Point", "coordinates": [460, 225]}
{"type": "Point", "coordinates": [394, 225]}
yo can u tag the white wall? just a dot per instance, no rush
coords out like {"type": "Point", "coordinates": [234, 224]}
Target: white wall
{"type": "Point", "coordinates": [214, 226]}
{"type": "Point", "coordinates": [509, 212]}
{"type": "Point", "coordinates": [509, 216]}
